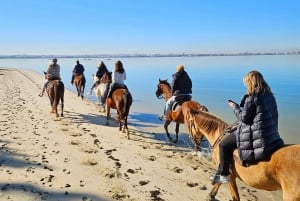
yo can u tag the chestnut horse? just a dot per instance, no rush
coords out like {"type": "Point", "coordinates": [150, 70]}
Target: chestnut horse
{"type": "Point", "coordinates": [121, 101]}
{"type": "Point", "coordinates": [79, 82]}
{"type": "Point", "coordinates": [101, 88]}
{"type": "Point", "coordinates": [55, 90]}
{"type": "Point", "coordinates": [178, 116]}
{"type": "Point", "coordinates": [279, 172]}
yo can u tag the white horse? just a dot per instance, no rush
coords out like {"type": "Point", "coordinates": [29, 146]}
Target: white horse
{"type": "Point", "coordinates": [101, 89]}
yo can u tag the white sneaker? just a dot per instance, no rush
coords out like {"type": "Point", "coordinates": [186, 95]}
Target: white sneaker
{"type": "Point", "coordinates": [222, 179]}
{"type": "Point", "coordinates": [162, 117]}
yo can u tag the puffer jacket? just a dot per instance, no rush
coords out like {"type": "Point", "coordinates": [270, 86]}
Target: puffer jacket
{"type": "Point", "coordinates": [257, 134]}
{"type": "Point", "coordinates": [181, 83]}
{"type": "Point", "coordinates": [53, 72]}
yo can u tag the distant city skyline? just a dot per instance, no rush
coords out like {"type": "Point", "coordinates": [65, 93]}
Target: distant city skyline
{"type": "Point", "coordinates": [97, 27]}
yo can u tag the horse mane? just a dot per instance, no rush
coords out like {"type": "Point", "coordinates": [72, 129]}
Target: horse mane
{"type": "Point", "coordinates": [208, 121]}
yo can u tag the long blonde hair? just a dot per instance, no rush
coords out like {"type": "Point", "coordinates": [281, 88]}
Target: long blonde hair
{"type": "Point", "coordinates": [255, 83]}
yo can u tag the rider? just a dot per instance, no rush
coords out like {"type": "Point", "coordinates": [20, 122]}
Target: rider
{"type": "Point", "coordinates": [52, 73]}
{"type": "Point", "coordinates": [181, 86]}
{"type": "Point", "coordinates": [256, 136]}
{"type": "Point", "coordinates": [102, 69]}
{"type": "Point", "coordinates": [118, 77]}
{"type": "Point", "coordinates": [78, 70]}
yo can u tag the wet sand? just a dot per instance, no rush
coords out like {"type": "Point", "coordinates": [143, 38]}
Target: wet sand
{"type": "Point", "coordinates": [78, 157]}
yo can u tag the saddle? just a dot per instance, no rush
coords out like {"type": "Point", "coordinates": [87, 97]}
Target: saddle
{"type": "Point", "coordinates": [114, 87]}
{"type": "Point", "coordinates": [179, 100]}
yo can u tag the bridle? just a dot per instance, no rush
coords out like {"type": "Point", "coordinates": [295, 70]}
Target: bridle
{"type": "Point", "coordinates": [161, 96]}
{"type": "Point", "coordinates": [218, 140]}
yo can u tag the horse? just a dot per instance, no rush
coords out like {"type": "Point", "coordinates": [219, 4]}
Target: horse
{"type": "Point", "coordinates": [120, 100]}
{"type": "Point", "coordinates": [55, 90]}
{"type": "Point", "coordinates": [279, 172]}
{"type": "Point", "coordinates": [178, 116]}
{"type": "Point", "coordinates": [79, 82]}
{"type": "Point", "coordinates": [101, 88]}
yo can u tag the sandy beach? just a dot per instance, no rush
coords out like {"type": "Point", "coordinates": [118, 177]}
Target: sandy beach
{"type": "Point", "coordinates": [78, 157]}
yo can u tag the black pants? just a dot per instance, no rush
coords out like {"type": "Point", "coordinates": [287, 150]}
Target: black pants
{"type": "Point", "coordinates": [226, 148]}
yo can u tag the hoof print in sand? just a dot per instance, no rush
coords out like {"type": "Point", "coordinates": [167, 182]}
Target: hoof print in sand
{"type": "Point", "coordinates": [142, 183]}
{"type": "Point", "coordinates": [192, 184]}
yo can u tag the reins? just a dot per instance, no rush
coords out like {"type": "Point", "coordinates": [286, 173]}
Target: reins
{"type": "Point", "coordinates": [218, 140]}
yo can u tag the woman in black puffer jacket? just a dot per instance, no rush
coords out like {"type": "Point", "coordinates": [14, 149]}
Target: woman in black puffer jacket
{"type": "Point", "coordinates": [257, 134]}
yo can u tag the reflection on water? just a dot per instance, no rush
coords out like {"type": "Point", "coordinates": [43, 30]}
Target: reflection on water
{"type": "Point", "coordinates": [215, 80]}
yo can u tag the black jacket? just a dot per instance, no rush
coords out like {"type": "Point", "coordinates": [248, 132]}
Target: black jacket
{"type": "Point", "coordinates": [78, 69]}
{"type": "Point", "coordinates": [181, 83]}
{"type": "Point", "coordinates": [100, 72]}
{"type": "Point", "coordinates": [257, 135]}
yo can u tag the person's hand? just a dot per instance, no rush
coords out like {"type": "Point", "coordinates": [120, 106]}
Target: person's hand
{"type": "Point", "coordinates": [231, 103]}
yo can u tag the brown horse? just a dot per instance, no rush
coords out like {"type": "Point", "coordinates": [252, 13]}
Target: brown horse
{"type": "Point", "coordinates": [178, 116]}
{"type": "Point", "coordinates": [281, 171]}
{"type": "Point", "coordinates": [121, 101]}
{"type": "Point", "coordinates": [55, 90]}
{"type": "Point", "coordinates": [79, 82]}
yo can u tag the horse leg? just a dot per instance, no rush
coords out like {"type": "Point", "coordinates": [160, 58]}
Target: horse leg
{"type": "Point", "coordinates": [126, 128]}
{"type": "Point", "coordinates": [233, 189]}
{"type": "Point", "coordinates": [62, 105]}
{"type": "Point", "coordinates": [214, 191]}
{"type": "Point", "coordinates": [167, 122]}
{"type": "Point", "coordinates": [107, 114]}
{"type": "Point", "coordinates": [176, 131]}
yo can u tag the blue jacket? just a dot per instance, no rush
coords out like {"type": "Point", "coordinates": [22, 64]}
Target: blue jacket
{"type": "Point", "coordinates": [257, 134]}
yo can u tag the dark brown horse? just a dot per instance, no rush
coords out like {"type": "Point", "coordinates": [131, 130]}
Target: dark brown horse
{"type": "Point", "coordinates": [279, 172]}
{"type": "Point", "coordinates": [121, 101]}
{"type": "Point", "coordinates": [178, 116]}
{"type": "Point", "coordinates": [55, 90]}
{"type": "Point", "coordinates": [79, 82]}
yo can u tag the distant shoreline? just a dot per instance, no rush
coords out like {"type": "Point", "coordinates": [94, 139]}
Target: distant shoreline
{"type": "Point", "coordinates": [25, 56]}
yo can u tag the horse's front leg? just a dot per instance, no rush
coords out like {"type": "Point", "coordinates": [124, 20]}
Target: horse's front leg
{"type": "Point", "coordinates": [167, 123]}
{"type": "Point", "coordinates": [214, 191]}
{"type": "Point", "coordinates": [233, 188]}
{"type": "Point", "coordinates": [176, 131]}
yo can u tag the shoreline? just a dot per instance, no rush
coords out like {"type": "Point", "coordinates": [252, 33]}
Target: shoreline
{"type": "Point", "coordinates": [77, 157]}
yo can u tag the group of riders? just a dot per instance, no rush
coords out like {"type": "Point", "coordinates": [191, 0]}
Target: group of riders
{"type": "Point", "coordinates": [256, 135]}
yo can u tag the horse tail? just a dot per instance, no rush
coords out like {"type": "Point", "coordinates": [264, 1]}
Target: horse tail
{"type": "Point", "coordinates": [127, 103]}
{"type": "Point", "coordinates": [56, 96]}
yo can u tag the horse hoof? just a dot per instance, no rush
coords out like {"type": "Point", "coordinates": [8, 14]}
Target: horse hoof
{"type": "Point", "coordinates": [175, 141]}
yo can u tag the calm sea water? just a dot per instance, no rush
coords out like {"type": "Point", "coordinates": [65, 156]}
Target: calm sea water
{"type": "Point", "coordinates": [215, 80]}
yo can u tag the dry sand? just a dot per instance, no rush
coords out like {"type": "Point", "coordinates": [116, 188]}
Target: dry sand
{"type": "Point", "coordinates": [77, 157]}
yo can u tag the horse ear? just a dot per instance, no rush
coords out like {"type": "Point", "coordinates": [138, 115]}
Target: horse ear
{"type": "Point", "coordinates": [45, 73]}
{"type": "Point", "coordinates": [159, 79]}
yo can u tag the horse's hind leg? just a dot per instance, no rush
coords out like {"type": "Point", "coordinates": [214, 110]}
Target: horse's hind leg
{"type": "Point", "coordinates": [62, 106]}
{"type": "Point", "coordinates": [176, 131]}
{"type": "Point", "coordinates": [166, 129]}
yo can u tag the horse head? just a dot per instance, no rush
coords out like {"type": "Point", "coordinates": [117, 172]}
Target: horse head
{"type": "Point", "coordinates": [163, 88]}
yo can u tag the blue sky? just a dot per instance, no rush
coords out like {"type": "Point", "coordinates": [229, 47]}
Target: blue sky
{"type": "Point", "coordinates": [148, 26]}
